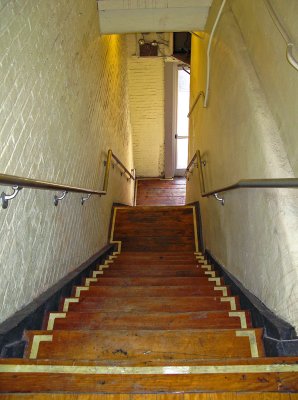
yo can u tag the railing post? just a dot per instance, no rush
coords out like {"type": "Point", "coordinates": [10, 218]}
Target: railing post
{"type": "Point", "coordinates": [107, 173]}
{"type": "Point", "coordinates": [202, 182]}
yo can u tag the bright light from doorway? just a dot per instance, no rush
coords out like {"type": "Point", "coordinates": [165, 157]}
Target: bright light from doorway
{"type": "Point", "coordinates": [182, 120]}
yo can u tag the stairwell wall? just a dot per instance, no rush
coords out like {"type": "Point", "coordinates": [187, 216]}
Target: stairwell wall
{"type": "Point", "coordinates": [248, 131]}
{"type": "Point", "coordinates": [64, 103]}
{"type": "Point", "coordinates": [146, 96]}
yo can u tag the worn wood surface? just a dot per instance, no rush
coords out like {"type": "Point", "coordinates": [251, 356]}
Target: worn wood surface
{"type": "Point", "coordinates": [161, 192]}
{"type": "Point", "coordinates": [186, 396]}
{"type": "Point", "coordinates": [162, 320]}
{"type": "Point", "coordinates": [146, 281]}
{"type": "Point", "coordinates": [151, 304]}
{"type": "Point", "coordinates": [144, 291]}
{"type": "Point", "coordinates": [145, 344]}
{"type": "Point", "coordinates": [154, 316]}
{"type": "Point", "coordinates": [154, 229]}
{"type": "Point", "coordinates": [149, 383]}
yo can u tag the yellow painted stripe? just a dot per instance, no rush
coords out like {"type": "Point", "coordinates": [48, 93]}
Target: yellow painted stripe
{"type": "Point", "coordinates": [251, 335]}
{"type": "Point", "coordinates": [37, 339]}
{"type": "Point", "coordinates": [67, 301]}
{"type": "Point", "coordinates": [51, 320]}
{"type": "Point", "coordinates": [195, 228]}
{"type": "Point", "coordinates": [165, 370]}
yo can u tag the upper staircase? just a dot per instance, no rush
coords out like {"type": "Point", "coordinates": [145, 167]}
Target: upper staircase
{"type": "Point", "coordinates": [154, 318]}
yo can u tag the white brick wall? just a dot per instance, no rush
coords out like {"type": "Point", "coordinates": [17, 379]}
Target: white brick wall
{"type": "Point", "coordinates": [63, 103]}
{"type": "Point", "coordinates": [146, 96]}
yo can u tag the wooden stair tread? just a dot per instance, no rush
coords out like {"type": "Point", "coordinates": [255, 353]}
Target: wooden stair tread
{"type": "Point", "coordinates": [147, 344]}
{"type": "Point", "coordinates": [162, 273]}
{"type": "Point", "coordinates": [162, 303]}
{"type": "Point", "coordinates": [152, 281]}
{"type": "Point", "coordinates": [144, 291]}
{"type": "Point", "coordinates": [132, 320]}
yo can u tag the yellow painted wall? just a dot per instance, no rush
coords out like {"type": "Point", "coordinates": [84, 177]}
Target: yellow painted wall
{"type": "Point", "coordinates": [64, 103]}
{"type": "Point", "coordinates": [249, 130]}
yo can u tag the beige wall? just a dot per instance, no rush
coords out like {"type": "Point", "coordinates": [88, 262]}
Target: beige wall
{"type": "Point", "coordinates": [248, 132]}
{"type": "Point", "coordinates": [64, 103]}
{"type": "Point", "coordinates": [146, 97]}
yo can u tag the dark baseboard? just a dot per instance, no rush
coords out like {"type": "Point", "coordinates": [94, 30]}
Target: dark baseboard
{"type": "Point", "coordinates": [31, 316]}
{"type": "Point", "coordinates": [196, 204]}
{"type": "Point", "coordinates": [280, 337]}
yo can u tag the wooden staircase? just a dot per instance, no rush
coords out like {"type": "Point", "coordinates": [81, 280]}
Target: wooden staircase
{"type": "Point", "coordinates": [154, 318]}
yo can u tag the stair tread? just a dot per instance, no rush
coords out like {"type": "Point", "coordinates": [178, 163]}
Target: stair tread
{"type": "Point", "coordinates": [189, 303]}
{"type": "Point", "coordinates": [126, 291]}
{"type": "Point", "coordinates": [152, 281]}
{"type": "Point", "coordinates": [147, 344]}
{"type": "Point", "coordinates": [161, 320]}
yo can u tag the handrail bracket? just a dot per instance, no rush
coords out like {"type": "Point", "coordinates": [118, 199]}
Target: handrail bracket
{"type": "Point", "coordinates": [5, 198]}
{"type": "Point", "coordinates": [221, 199]}
{"type": "Point", "coordinates": [59, 198]}
{"type": "Point", "coordinates": [85, 198]}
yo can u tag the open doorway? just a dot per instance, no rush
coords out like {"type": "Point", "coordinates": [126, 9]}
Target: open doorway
{"type": "Point", "coordinates": [177, 93]}
{"type": "Point", "coordinates": [182, 109]}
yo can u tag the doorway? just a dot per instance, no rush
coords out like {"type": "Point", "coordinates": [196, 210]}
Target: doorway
{"type": "Point", "coordinates": [177, 93]}
{"type": "Point", "coordinates": [182, 109]}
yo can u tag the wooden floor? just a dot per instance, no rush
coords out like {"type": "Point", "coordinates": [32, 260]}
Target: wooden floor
{"type": "Point", "coordinates": [161, 192]}
{"type": "Point", "coordinates": [200, 396]}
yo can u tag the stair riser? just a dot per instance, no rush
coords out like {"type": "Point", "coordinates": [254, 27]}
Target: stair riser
{"type": "Point", "coordinates": [103, 384]}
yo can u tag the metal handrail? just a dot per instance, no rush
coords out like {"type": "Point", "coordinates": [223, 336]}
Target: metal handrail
{"type": "Point", "coordinates": [18, 183]}
{"type": "Point", "coordinates": [289, 41]}
{"type": "Point", "coordinates": [280, 183]}
{"type": "Point", "coordinates": [275, 183]}
{"type": "Point", "coordinates": [201, 93]}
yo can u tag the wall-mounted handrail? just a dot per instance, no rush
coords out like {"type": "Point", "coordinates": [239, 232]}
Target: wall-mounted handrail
{"type": "Point", "coordinates": [275, 183]}
{"type": "Point", "coordinates": [280, 183]}
{"type": "Point", "coordinates": [18, 183]}
{"type": "Point", "coordinates": [290, 43]}
{"type": "Point", "coordinates": [201, 93]}
{"type": "Point", "coordinates": [125, 170]}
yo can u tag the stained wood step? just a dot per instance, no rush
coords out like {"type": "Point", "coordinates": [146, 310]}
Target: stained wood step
{"type": "Point", "coordinates": [94, 377]}
{"type": "Point", "coordinates": [120, 291]}
{"type": "Point", "coordinates": [154, 272]}
{"type": "Point", "coordinates": [107, 280]}
{"type": "Point", "coordinates": [141, 222]}
{"type": "Point", "coordinates": [151, 304]}
{"type": "Point", "coordinates": [132, 320]}
{"type": "Point", "coordinates": [145, 344]}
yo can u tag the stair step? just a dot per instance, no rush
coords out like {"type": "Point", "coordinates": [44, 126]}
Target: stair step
{"type": "Point", "coordinates": [152, 304]}
{"type": "Point", "coordinates": [162, 272]}
{"type": "Point", "coordinates": [107, 280]}
{"type": "Point", "coordinates": [132, 320]}
{"type": "Point", "coordinates": [143, 291]}
{"type": "Point", "coordinates": [252, 375]}
{"type": "Point", "coordinates": [144, 344]}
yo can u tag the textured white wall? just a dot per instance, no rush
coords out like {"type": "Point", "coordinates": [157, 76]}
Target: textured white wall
{"type": "Point", "coordinates": [146, 96]}
{"type": "Point", "coordinates": [64, 103]}
{"type": "Point", "coordinates": [255, 235]}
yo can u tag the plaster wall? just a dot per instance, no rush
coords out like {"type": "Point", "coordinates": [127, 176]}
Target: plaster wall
{"type": "Point", "coordinates": [64, 103]}
{"type": "Point", "coordinates": [146, 98]}
{"type": "Point", "coordinates": [255, 235]}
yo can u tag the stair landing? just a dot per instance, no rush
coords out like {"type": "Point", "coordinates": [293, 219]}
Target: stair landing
{"type": "Point", "coordinates": [161, 192]}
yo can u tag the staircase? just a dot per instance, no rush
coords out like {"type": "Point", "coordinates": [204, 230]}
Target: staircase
{"type": "Point", "coordinates": [154, 318]}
